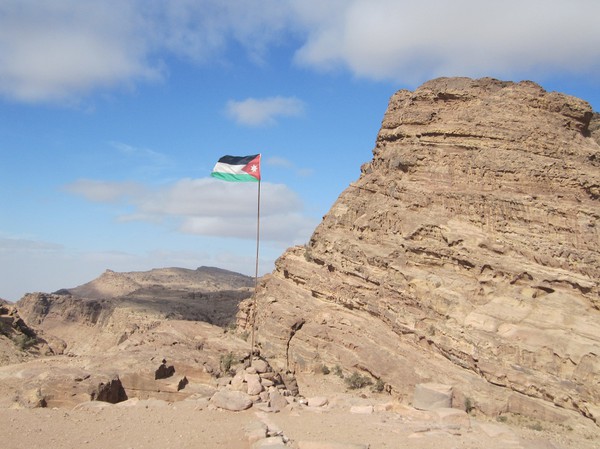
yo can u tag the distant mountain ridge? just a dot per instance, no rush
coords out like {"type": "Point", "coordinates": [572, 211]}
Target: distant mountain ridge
{"type": "Point", "coordinates": [112, 284]}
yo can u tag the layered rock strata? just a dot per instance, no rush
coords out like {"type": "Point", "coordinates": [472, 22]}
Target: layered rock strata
{"type": "Point", "coordinates": [467, 253]}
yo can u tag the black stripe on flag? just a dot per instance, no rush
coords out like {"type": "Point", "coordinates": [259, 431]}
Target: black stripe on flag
{"type": "Point", "coordinates": [238, 160]}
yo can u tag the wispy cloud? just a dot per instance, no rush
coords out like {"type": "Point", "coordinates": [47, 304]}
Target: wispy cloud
{"type": "Point", "coordinates": [207, 207]}
{"type": "Point", "coordinates": [105, 192]}
{"type": "Point", "coordinates": [280, 162]}
{"type": "Point", "coordinates": [145, 160]}
{"type": "Point", "coordinates": [259, 112]}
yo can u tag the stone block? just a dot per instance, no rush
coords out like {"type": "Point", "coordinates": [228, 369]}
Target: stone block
{"type": "Point", "coordinates": [431, 396]}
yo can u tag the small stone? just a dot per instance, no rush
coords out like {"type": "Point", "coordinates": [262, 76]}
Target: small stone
{"type": "Point", "coordinates": [270, 443]}
{"type": "Point", "coordinates": [317, 401]}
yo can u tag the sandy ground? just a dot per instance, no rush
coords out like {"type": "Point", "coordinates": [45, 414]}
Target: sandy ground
{"type": "Point", "coordinates": [155, 424]}
{"type": "Point", "coordinates": [183, 426]}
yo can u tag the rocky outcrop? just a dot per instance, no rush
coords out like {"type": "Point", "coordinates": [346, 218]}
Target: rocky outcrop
{"type": "Point", "coordinates": [111, 392]}
{"type": "Point", "coordinates": [18, 341]}
{"type": "Point", "coordinates": [467, 254]}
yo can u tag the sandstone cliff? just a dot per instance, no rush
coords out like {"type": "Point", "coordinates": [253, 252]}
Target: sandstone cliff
{"type": "Point", "coordinates": [467, 253]}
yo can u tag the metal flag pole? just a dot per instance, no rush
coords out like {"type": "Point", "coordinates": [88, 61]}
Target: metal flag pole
{"type": "Point", "coordinates": [253, 312]}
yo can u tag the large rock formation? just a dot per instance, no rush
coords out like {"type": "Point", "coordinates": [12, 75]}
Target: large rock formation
{"type": "Point", "coordinates": [467, 253]}
{"type": "Point", "coordinates": [105, 312]}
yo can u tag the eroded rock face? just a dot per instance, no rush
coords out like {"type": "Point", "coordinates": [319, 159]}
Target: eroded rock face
{"type": "Point", "coordinates": [467, 253]}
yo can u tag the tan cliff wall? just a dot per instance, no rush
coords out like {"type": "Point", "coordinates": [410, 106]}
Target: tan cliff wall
{"type": "Point", "coordinates": [466, 253]}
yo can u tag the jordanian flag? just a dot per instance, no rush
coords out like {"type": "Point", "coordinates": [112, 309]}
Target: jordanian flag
{"type": "Point", "coordinates": [238, 168]}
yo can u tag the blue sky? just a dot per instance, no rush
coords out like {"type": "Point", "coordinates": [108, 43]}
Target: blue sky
{"type": "Point", "coordinates": [113, 113]}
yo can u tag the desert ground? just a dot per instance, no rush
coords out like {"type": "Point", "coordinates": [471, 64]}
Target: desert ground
{"type": "Point", "coordinates": [349, 420]}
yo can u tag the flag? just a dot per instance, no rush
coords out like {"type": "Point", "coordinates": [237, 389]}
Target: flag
{"type": "Point", "coordinates": [238, 168]}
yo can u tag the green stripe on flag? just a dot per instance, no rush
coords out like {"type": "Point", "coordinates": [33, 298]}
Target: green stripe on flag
{"type": "Point", "coordinates": [234, 177]}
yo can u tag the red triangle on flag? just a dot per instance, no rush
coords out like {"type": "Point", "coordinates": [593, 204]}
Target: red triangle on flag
{"type": "Point", "coordinates": [253, 167]}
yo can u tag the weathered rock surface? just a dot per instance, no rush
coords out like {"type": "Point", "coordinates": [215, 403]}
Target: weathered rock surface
{"type": "Point", "coordinates": [467, 253]}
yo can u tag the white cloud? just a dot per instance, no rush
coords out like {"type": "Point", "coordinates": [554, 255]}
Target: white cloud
{"type": "Point", "coordinates": [58, 50]}
{"type": "Point", "coordinates": [63, 49]}
{"type": "Point", "coordinates": [413, 41]}
{"type": "Point", "coordinates": [257, 112]}
{"type": "Point", "coordinates": [208, 207]}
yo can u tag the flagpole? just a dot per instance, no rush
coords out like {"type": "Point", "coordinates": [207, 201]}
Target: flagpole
{"type": "Point", "coordinates": [255, 275]}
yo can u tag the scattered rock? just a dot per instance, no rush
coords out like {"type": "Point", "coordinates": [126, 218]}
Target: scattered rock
{"type": "Point", "coordinates": [277, 401]}
{"type": "Point", "coordinates": [164, 371]}
{"type": "Point", "coordinates": [318, 401]}
{"type": "Point", "coordinates": [111, 392]}
{"type": "Point", "coordinates": [270, 443]}
{"type": "Point", "coordinates": [232, 400]}
{"type": "Point", "coordinates": [182, 383]}
{"type": "Point", "coordinates": [254, 386]}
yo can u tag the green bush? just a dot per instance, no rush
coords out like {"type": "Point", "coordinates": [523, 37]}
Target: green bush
{"type": "Point", "coordinates": [325, 369]}
{"type": "Point", "coordinates": [356, 381]}
{"type": "Point", "coordinates": [337, 370]}
{"type": "Point", "coordinates": [227, 361]}
{"type": "Point", "coordinates": [24, 342]}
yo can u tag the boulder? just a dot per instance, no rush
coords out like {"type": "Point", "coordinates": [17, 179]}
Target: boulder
{"type": "Point", "coordinates": [431, 396]}
{"type": "Point", "coordinates": [234, 401]}
{"type": "Point", "coordinates": [111, 392]}
{"type": "Point", "coordinates": [277, 401]}
{"type": "Point", "coordinates": [254, 386]}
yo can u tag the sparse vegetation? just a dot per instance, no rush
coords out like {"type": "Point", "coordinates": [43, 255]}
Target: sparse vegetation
{"type": "Point", "coordinates": [337, 370]}
{"type": "Point", "coordinates": [501, 418]}
{"type": "Point", "coordinates": [469, 406]}
{"type": "Point", "coordinates": [24, 342]}
{"type": "Point", "coordinates": [307, 253]}
{"type": "Point", "coordinates": [244, 335]}
{"type": "Point", "coordinates": [325, 369]}
{"type": "Point", "coordinates": [4, 328]}
{"type": "Point", "coordinates": [379, 386]}
{"type": "Point", "coordinates": [356, 381]}
{"type": "Point", "coordinates": [231, 327]}
{"type": "Point", "coordinates": [227, 362]}
{"type": "Point", "coordinates": [535, 426]}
